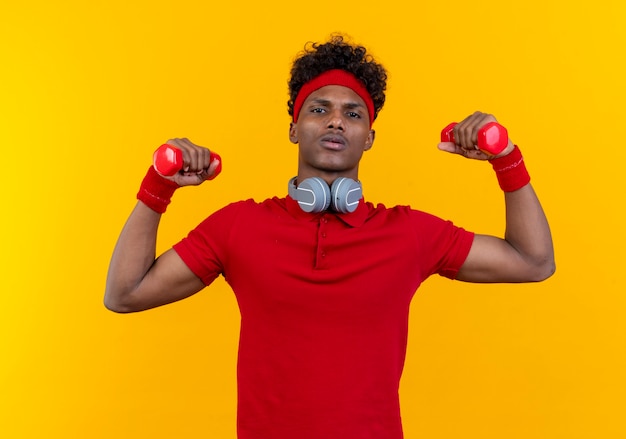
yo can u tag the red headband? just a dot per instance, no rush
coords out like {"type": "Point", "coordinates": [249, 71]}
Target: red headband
{"type": "Point", "coordinates": [334, 77]}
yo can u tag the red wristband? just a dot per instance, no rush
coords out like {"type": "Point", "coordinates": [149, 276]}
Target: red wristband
{"type": "Point", "coordinates": [511, 171]}
{"type": "Point", "coordinates": [156, 191]}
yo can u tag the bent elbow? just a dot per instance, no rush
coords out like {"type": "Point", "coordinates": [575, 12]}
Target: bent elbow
{"type": "Point", "coordinates": [116, 305]}
{"type": "Point", "coordinates": [544, 270]}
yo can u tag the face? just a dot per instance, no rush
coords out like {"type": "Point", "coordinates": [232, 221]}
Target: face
{"type": "Point", "coordinates": [332, 132]}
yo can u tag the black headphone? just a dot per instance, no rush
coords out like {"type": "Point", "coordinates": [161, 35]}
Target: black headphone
{"type": "Point", "coordinates": [313, 194]}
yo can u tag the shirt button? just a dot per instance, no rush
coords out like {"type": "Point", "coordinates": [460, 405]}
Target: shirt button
{"type": "Point", "coordinates": [324, 235]}
{"type": "Point", "coordinates": [323, 254]}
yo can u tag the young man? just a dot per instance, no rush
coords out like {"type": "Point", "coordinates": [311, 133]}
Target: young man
{"type": "Point", "coordinates": [324, 279]}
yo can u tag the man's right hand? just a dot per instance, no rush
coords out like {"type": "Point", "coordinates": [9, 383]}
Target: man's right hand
{"type": "Point", "coordinates": [197, 164]}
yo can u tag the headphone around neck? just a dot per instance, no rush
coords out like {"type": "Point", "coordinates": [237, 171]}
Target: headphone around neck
{"type": "Point", "coordinates": [313, 194]}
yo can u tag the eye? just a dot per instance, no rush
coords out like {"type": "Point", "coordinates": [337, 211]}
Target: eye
{"type": "Point", "coordinates": [354, 114]}
{"type": "Point", "coordinates": [317, 110]}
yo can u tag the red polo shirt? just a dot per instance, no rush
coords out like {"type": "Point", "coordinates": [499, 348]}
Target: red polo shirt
{"type": "Point", "coordinates": [324, 301]}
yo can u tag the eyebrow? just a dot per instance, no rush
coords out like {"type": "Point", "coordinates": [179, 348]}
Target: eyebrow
{"type": "Point", "coordinates": [326, 102]}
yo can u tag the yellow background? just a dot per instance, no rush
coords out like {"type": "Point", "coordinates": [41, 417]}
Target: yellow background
{"type": "Point", "coordinates": [90, 89]}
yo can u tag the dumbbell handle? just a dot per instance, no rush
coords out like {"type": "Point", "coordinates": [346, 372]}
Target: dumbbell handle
{"type": "Point", "coordinates": [492, 137]}
{"type": "Point", "coordinates": [168, 160]}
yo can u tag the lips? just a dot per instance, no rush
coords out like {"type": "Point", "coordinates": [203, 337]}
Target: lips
{"type": "Point", "coordinates": [333, 141]}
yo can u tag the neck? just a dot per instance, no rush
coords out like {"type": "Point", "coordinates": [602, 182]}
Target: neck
{"type": "Point", "coordinates": [328, 177]}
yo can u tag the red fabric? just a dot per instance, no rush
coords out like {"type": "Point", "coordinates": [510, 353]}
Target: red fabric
{"type": "Point", "coordinates": [156, 191]}
{"type": "Point", "coordinates": [324, 301]}
{"type": "Point", "coordinates": [334, 77]}
{"type": "Point", "coordinates": [511, 171]}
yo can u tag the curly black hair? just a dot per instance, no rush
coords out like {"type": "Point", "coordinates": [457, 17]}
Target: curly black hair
{"type": "Point", "coordinates": [338, 54]}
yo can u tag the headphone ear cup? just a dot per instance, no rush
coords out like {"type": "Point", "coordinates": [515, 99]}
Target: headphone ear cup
{"type": "Point", "coordinates": [313, 195]}
{"type": "Point", "coordinates": [345, 195]}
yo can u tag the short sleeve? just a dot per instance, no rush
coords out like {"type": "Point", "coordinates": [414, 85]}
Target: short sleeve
{"type": "Point", "coordinates": [446, 244]}
{"type": "Point", "coordinates": [204, 249]}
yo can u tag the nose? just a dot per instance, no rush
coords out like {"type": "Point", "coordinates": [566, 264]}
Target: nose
{"type": "Point", "coordinates": [335, 120]}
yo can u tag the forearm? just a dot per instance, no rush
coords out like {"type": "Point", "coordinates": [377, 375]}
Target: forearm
{"type": "Point", "coordinates": [133, 256]}
{"type": "Point", "coordinates": [135, 251]}
{"type": "Point", "coordinates": [528, 232]}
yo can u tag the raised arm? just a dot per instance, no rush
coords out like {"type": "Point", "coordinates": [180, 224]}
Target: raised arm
{"type": "Point", "coordinates": [526, 253]}
{"type": "Point", "coordinates": [137, 280]}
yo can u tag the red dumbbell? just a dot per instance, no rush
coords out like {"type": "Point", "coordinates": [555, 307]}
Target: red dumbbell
{"type": "Point", "coordinates": [492, 138]}
{"type": "Point", "coordinates": [168, 160]}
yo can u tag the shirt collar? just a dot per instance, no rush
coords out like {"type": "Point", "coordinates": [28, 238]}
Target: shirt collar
{"type": "Point", "coordinates": [353, 219]}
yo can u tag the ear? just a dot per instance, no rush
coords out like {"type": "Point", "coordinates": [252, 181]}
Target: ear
{"type": "Point", "coordinates": [293, 132]}
{"type": "Point", "coordinates": [370, 140]}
